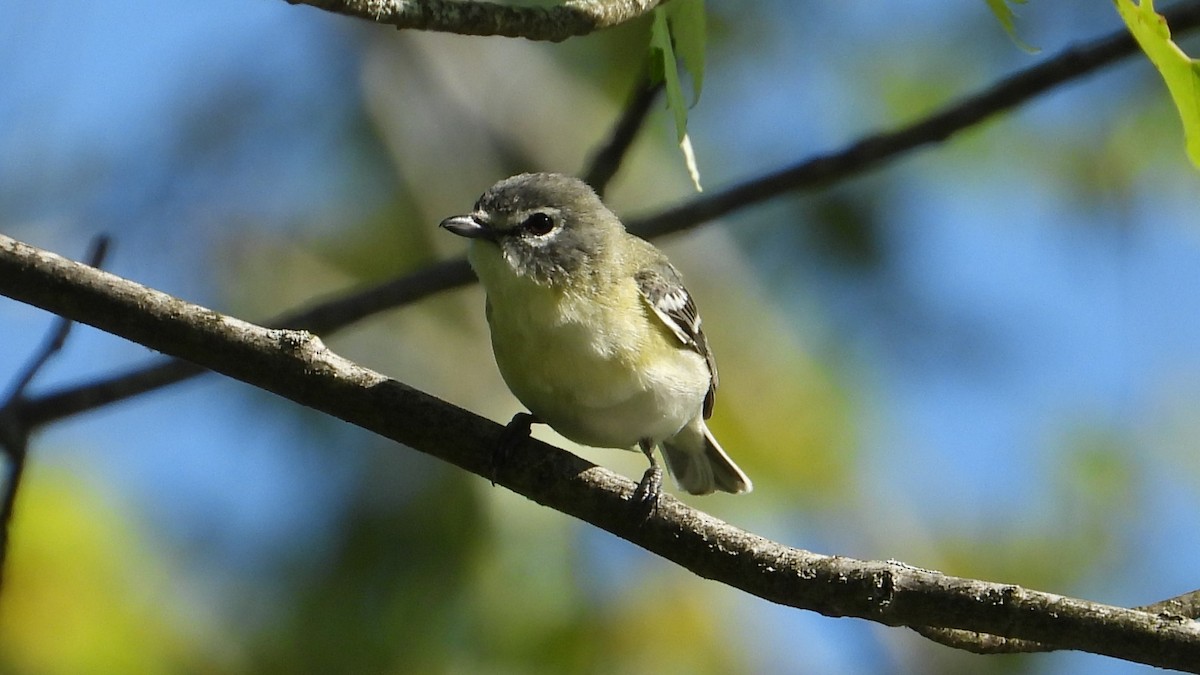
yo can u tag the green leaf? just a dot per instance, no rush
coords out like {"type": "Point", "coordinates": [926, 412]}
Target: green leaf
{"type": "Point", "coordinates": [1005, 16]}
{"type": "Point", "coordinates": [660, 42]}
{"type": "Point", "coordinates": [1180, 72]}
{"type": "Point", "coordinates": [689, 31]}
{"type": "Point", "coordinates": [679, 24]}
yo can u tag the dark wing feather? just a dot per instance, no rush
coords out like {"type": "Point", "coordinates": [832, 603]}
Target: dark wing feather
{"type": "Point", "coordinates": [663, 290]}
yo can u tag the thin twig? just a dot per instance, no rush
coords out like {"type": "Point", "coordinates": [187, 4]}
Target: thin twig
{"type": "Point", "coordinates": [322, 318]}
{"type": "Point", "coordinates": [875, 150]}
{"type": "Point", "coordinates": [14, 429]}
{"type": "Point", "coordinates": [607, 158]}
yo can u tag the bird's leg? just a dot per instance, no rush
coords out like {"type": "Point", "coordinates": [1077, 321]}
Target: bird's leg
{"type": "Point", "coordinates": [516, 431]}
{"type": "Point", "coordinates": [650, 486]}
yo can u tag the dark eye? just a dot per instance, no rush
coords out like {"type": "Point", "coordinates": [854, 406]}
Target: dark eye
{"type": "Point", "coordinates": [538, 224]}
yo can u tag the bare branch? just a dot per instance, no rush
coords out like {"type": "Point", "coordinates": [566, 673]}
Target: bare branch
{"type": "Point", "coordinates": [59, 332]}
{"type": "Point", "coordinates": [607, 159]}
{"type": "Point", "coordinates": [981, 643]}
{"type": "Point", "coordinates": [14, 439]}
{"type": "Point", "coordinates": [469, 17]}
{"type": "Point", "coordinates": [297, 366]}
{"type": "Point", "coordinates": [337, 313]}
{"type": "Point", "coordinates": [73, 400]}
{"type": "Point", "coordinates": [1181, 607]}
{"type": "Point", "coordinates": [873, 151]}
{"type": "Point", "coordinates": [322, 318]}
{"type": "Point", "coordinates": [1186, 606]}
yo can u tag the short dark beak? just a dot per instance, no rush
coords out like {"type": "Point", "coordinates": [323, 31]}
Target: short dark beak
{"type": "Point", "coordinates": [469, 227]}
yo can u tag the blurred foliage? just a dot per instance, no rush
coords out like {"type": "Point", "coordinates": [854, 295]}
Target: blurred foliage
{"type": "Point", "coordinates": [84, 592]}
{"type": "Point", "coordinates": [271, 184]}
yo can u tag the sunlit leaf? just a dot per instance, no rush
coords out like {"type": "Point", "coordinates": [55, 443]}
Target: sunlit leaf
{"type": "Point", "coordinates": [679, 25]}
{"type": "Point", "coordinates": [1181, 73]}
{"type": "Point", "coordinates": [663, 52]}
{"type": "Point", "coordinates": [689, 32]}
{"type": "Point", "coordinates": [1005, 16]}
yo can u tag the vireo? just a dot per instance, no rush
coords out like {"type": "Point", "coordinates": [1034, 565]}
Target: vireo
{"type": "Point", "coordinates": [593, 330]}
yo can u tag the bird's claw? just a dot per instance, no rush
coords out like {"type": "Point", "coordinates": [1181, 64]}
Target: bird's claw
{"type": "Point", "coordinates": [648, 490]}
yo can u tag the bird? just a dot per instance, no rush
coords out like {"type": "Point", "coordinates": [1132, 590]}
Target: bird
{"type": "Point", "coordinates": [593, 330]}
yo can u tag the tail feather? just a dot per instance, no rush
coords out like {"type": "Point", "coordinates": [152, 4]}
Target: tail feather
{"type": "Point", "coordinates": [699, 465]}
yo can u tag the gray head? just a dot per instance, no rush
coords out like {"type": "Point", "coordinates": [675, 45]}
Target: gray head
{"type": "Point", "coordinates": [545, 225]}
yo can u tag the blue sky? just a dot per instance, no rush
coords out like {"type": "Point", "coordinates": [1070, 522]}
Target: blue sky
{"type": "Point", "coordinates": [1013, 316]}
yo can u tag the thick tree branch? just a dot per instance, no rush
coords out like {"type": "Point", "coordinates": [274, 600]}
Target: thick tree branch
{"type": "Point", "coordinates": [57, 337]}
{"type": "Point", "coordinates": [322, 318]}
{"type": "Point", "coordinates": [1186, 606]}
{"type": "Point", "coordinates": [297, 366]}
{"type": "Point", "coordinates": [470, 17]}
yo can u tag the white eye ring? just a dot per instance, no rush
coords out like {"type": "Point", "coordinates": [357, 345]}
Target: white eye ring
{"type": "Point", "coordinates": [538, 224]}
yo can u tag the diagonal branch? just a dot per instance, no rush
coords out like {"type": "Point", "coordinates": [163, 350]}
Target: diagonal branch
{"type": "Point", "coordinates": [471, 17]}
{"type": "Point", "coordinates": [59, 332]}
{"type": "Point", "coordinates": [297, 366]}
{"type": "Point", "coordinates": [877, 149]}
{"type": "Point", "coordinates": [1186, 606]}
{"type": "Point", "coordinates": [324, 318]}
{"type": "Point", "coordinates": [607, 158]}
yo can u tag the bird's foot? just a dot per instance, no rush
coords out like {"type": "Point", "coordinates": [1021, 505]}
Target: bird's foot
{"type": "Point", "coordinates": [645, 496]}
{"type": "Point", "coordinates": [648, 490]}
